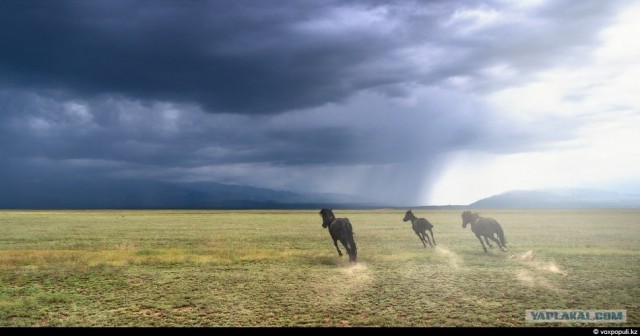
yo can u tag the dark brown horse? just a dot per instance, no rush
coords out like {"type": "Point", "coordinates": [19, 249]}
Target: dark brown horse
{"type": "Point", "coordinates": [340, 229]}
{"type": "Point", "coordinates": [485, 227]}
{"type": "Point", "coordinates": [420, 227]}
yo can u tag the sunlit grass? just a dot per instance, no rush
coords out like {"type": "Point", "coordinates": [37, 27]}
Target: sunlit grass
{"type": "Point", "coordinates": [280, 268]}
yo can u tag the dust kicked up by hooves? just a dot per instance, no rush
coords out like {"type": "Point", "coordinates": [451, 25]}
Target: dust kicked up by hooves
{"type": "Point", "coordinates": [529, 258]}
{"type": "Point", "coordinates": [454, 260]}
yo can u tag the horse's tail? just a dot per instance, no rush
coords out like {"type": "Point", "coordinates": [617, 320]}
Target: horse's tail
{"type": "Point", "coordinates": [500, 233]}
{"type": "Point", "coordinates": [352, 242]}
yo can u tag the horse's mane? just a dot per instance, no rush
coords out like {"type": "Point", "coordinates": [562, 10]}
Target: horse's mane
{"type": "Point", "coordinates": [329, 213]}
{"type": "Point", "coordinates": [327, 217]}
{"type": "Point", "coordinates": [472, 214]}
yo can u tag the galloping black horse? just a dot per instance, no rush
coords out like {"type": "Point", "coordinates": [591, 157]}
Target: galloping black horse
{"type": "Point", "coordinates": [340, 229]}
{"type": "Point", "coordinates": [420, 227]}
{"type": "Point", "coordinates": [485, 227]}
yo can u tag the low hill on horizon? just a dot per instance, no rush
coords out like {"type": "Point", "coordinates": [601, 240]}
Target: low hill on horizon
{"type": "Point", "coordinates": [564, 198]}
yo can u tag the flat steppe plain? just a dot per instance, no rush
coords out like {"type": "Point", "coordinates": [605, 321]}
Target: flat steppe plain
{"type": "Point", "coordinates": [280, 268]}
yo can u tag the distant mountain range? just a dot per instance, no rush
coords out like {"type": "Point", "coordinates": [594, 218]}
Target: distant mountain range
{"type": "Point", "coordinates": [141, 194]}
{"type": "Point", "coordinates": [567, 198]}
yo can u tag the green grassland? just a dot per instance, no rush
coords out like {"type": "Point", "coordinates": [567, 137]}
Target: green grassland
{"type": "Point", "coordinates": [280, 268]}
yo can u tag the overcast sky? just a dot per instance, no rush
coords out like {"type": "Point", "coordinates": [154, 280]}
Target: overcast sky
{"type": "Point", "coordinates": [425, 102]}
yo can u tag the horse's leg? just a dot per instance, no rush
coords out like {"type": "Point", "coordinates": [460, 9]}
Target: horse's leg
{"type": "Point", "coordinates": [481, 242]}
{"type": "Point", "coordinates": [434, 240]}
{"type": "Point", "coordinates": [502, 247]}
{"type": "Point", "coordinates": [488, 243]}
{"type": "Point", "coordinates": [426, 236]}
{"type": "Point", "coordinates": [421, 239]}
{"type": "Point", "coordinates": [335, 242]}
{"type": "Point", "coordinates": [348, 247]}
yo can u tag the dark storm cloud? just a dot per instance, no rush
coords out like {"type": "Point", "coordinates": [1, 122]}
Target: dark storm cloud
{"type": "Point", "coordinates": [48, 138]}
{"type": "Point", "coordinates": [364, 96]}
{"type": "Point", "coordinates": [253, 57]}
{"type": "Point", "coordinates": [234, 56]}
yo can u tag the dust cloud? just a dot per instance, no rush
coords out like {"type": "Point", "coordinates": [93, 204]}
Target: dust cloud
{"type": "Point", "coordinates": [533, 277]}
{"type": "Point", "coordinates": [454, 260]}
{"type": "Point", "coordinates": [530, 259]}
